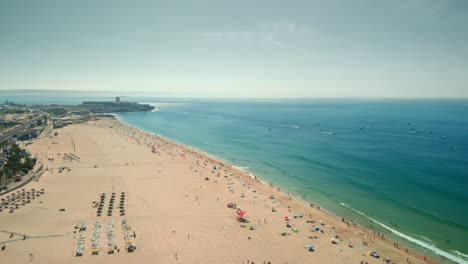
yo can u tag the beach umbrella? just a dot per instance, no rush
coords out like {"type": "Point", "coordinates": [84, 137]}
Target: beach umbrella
{"type": "Point", "coordinates": [286, 218]}
{"type": "Point", "coordinates": [241, 213]}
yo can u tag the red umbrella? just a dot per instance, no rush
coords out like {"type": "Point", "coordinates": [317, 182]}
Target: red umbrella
{"type": "Point", "coordinates": [240, 213]}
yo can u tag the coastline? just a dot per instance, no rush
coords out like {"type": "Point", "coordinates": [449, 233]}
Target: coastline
{"type": "Point", "coordinates": [169, 201]}
{"type": "Point", "coordinates": [287, 193]}
{"type": "Point", "coordinates": [410, 242]}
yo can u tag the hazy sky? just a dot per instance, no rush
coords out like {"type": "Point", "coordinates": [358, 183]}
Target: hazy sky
{"type": "Point", "coordinates": [237, 48]}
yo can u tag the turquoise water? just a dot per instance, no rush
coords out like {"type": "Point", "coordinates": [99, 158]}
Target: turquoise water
{"type": "Point", "coordinates": [401, 163]}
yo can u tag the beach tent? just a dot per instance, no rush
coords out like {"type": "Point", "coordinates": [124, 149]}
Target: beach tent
{"type": "Point", "coordinates": [309, 247]}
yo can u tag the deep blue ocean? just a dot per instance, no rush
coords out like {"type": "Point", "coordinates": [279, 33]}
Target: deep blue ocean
{"type": "Point", "coordinates": [398, 165]}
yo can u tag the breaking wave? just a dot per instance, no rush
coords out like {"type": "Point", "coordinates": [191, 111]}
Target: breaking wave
{"type": "Point", "coordinates": [458, 259]}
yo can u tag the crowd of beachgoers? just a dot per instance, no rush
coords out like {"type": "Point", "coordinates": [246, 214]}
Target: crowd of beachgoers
{"type": "Point", "coordinates": [187, 206]}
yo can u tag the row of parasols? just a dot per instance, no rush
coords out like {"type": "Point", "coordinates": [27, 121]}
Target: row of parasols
{"type": "Point", "coordinates": [81, 227]}
{"type": "Point", "coordinates": [95, 238]}
{"type": "Point", "coordinates": [110, 236]}
{"type": "Point", "coordinates": [110, 208]}
{"type": "Point", "coordinates": [129, 235]}
{"type": "Point", "coordinates": [19, 198]}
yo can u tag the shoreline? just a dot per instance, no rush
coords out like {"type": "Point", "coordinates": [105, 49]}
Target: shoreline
{"type": "Point", "coordinates": [177, 199]}
{"type": "Point", "coordinates": [287, 193]}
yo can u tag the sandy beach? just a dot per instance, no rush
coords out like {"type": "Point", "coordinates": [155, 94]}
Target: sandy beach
{"type": "Point", "coordinates": [176, 205]}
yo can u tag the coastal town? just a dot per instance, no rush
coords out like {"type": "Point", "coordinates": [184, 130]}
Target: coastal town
{"type": "Point", "coordinates": [21, 123]}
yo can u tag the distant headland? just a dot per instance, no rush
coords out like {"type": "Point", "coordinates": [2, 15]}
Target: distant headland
{"type": "Point", "coordinates": [117, 106]}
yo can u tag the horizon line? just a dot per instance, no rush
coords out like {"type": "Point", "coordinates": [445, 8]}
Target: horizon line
{"type": "Point", "coordinates": [161, 94]}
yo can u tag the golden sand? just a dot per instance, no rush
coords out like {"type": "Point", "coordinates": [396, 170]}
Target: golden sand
{"type": "Point", "coordinates": [178, 216]}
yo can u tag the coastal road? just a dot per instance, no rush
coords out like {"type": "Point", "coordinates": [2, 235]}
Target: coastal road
{"type": "Point", "coordinates": [19, 128]}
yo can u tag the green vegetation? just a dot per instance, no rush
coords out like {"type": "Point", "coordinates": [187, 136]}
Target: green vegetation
{"type": "Point", "coordinates": [56, 111]}
{"type": "Point", "coordinates": [18, 161]}
{"type": "Point", "coordinates": [7, 124]}
{"type": "Point", "coordinates": [13, 111]}
{"type": "Point", "coordinates": [78, 111]}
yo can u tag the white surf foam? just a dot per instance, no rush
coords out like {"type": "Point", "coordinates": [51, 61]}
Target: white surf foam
{"type": "Point", "coordinates": [431, 247]}
{"type": "Point", "coordinates": [288, 126]}
{"type": "Point", "coordinates": [241, 168]}
{"type": "Point", "coordinates": [460, 254]}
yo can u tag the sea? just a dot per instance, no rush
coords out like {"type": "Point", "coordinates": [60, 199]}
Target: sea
{"type": "Point", "coordinates": [396, 166]}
